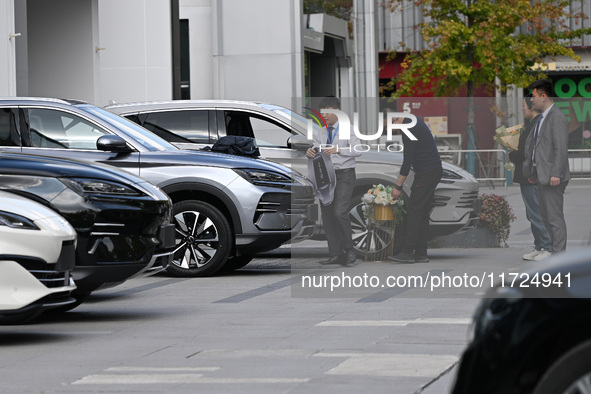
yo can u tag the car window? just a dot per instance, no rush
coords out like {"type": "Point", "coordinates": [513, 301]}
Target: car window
{"type": "Point", "coordinates": [266, 132]}
{"type": "Point", "coordinates": [189, 124]}
{"type": "Point", "coordinates": [132, 130]}
{"type": "Point", "coordinates": [58, 129]}
{"type": "Point", "coordinates": [8, 133]}
{"type": "Point", "coordinates": [296, 120]}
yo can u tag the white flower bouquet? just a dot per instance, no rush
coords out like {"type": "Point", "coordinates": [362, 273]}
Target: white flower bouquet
{"type": "Point", "coordinates": [379, 204]}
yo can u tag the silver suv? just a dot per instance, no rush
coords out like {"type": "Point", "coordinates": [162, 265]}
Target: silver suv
{"type": "Point", "coordinates": [281, 136]}
{"type": "Point", "coordinates": [226, 208]}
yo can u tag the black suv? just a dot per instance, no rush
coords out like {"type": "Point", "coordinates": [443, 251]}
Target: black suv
{"type": "Point", "coordinates": [122, 222]}
{"type": "Point", "coordinates": [226, 208]}
{"type": "Point", "coordinates": [530, 333]}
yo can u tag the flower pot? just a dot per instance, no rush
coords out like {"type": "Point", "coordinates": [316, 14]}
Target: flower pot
{"type": "Point", "coordinates": [383, 212]}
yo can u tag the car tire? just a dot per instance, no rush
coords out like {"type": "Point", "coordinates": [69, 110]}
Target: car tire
{"type": "Point", "coordinates": [378, 237]}
{"type": "Point", "coordinates": [235, 263]}
{"type": "Point", "coordinates": [569, 374]}
{"type": "Point", "coordinates": [203, 239]}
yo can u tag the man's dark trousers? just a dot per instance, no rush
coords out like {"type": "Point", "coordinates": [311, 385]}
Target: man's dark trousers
{"type": "Point", "coordinates": [418, 210]}
{"type": "Point", "coordinates": [335, 217]}
{"type": "Point", "coordinates": [552, 211]}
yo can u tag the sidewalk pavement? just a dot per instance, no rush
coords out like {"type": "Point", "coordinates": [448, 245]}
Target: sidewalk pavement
{"type": "Point", "coordinates": [577, 213]}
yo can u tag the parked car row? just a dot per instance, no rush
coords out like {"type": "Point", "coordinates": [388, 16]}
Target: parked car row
{"type": "Point", "coordinates": [139, 204]}
{"type": "Point", "coordinates": [191, 213]}
{"type": "Point", "coordinates": [122, 222]}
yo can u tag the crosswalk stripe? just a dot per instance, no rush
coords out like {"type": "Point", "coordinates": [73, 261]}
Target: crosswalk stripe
{"type": "Point", "coordinates": [178, 378]}
{"type": "Point", "coordinates": [392, 323]}
{"type": "Point", "coordinates": [390, 365]}
{"type": "Point", "coordinates": [161, 369]}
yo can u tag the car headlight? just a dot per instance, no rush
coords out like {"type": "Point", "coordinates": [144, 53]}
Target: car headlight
{"type": "Point", "coordinates": [16, 221]}
{"type": "Point", "coordinates": [153, 191]}
{"type": "Point", "coordinates": [264, 178]}
{"type": "Point", "coordinates": [299, 178]}
{"type": "Point", "coordinates": [447, 174]}
{"type": "Point", "coordinates": [101, 188]}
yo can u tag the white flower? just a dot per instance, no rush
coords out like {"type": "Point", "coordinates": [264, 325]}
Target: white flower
{"type": "Point", "coordinates": [367, 198]}
{"type": "Point", "coordinates": [381, 199]}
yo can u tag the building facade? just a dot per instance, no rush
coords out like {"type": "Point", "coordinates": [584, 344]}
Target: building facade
{"type": "Point", "coordinates": [105, 51]}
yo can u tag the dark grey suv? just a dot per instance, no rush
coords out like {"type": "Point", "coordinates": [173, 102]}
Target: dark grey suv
{"type": "Point", "coordinates": [226, 208]}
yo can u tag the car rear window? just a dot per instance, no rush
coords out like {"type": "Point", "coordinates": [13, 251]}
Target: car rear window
{"type": "Point", "coordinates": [188, 124]}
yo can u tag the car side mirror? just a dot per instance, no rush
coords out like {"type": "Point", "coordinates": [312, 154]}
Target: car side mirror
{"type": "Point", "coordinates": [112, 143]}
{"type": "Point", "coordinates": [299, 142]}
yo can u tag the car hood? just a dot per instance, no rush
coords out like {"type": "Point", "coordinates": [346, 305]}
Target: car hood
{"type": "Point", "coordinates": [396, 158]}
{"type": "Point", "coordinates": [26, 207]}
{"type": "Point", "coordinates": [212, 159]}
{"type": "Point", "coordinates": [25, 164]}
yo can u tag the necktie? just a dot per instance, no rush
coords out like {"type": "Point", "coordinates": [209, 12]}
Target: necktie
{"type": "Point", "coordinates": [536, 132]}
{"type": "Point", "coordinates": [330, 137]}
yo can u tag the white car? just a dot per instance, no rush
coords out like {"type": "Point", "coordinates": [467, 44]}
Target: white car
{"type": "Point", "coordinates": [37, 253]}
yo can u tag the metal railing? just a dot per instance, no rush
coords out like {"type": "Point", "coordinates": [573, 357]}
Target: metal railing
{"type": "Point", "coordinates": [488, 165]}
{"type": "Point", "coordinates": [579, 162]}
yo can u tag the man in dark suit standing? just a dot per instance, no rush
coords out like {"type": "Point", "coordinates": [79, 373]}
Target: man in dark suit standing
{"type": "Point", "coordinates": [546, 161]}
{"type": "Point", "coordinates": [529, 191]}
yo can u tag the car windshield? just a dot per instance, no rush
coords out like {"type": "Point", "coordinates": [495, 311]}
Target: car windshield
{"type": "Point", "coordinates": [144, 137]}
{"type": "Point", "coordinates": [295, 119]}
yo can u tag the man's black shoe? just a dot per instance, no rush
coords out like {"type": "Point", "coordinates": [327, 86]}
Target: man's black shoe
{"type": "Point", "coordinates": [333, 260]}
{"type": "Point", "coordinates": [350, 257]}
{"type": "Point", "coordinates": [421, 258]}
{"type": "Point", "coordinates": [403, 257]}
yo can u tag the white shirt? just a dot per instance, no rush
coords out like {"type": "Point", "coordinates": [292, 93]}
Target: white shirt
{"type": "Point", "coordinates": [538, 127]}
{"type": "Point", "coordinates": [346, 157]}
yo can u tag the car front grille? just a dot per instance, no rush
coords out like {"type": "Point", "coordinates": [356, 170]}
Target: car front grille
{"type": "Point", "coordinates": [282, 211]}
{"type": "Point", "coordinates": [468, 200]}
{"type": "Point", "coordinates": [296, 203]}
{"type": "Point", "coordinates": [440, 201]}
{"type": "Point", "coordinates": [300, 205]}
{"type": "Point", "coordinates": [45, 274]}
{"type": "Point", "coordinates": [268, 207]}
{"type": "Point", "coordinates": [52, 279]}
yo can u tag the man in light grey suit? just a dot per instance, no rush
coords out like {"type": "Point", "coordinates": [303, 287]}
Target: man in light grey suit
{"type": "Point", "coordinates": [546, 161]}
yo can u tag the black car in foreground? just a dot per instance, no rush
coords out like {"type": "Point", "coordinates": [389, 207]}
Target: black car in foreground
{"type": "Point", "coordinates": [122, 222]}
{"type": "Point", "coordinates": [533, 335]}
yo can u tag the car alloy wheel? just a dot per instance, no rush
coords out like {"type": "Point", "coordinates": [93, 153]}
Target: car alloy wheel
{"type": "Point", "coordinates": [203, 239]}
{"type": "Point", "coordinates": [570, 374]}
{"type": "Point", "coordinates": [372, 242]}
{"type": "Point", "coordinates": [581, 386]}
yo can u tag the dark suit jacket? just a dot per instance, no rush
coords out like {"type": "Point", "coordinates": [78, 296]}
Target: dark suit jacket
{"type": "Point", "coordinates": [551, 149]}
{"type": "Point", "coordinates": [517, 157]}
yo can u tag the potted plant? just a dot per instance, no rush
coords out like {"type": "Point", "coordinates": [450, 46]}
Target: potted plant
{"type": "Point", "coordinates": [497, 215]}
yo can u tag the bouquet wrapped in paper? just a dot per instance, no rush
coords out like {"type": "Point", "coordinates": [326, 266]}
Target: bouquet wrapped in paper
{"type": "Point", "coordinates": [508, 138]}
